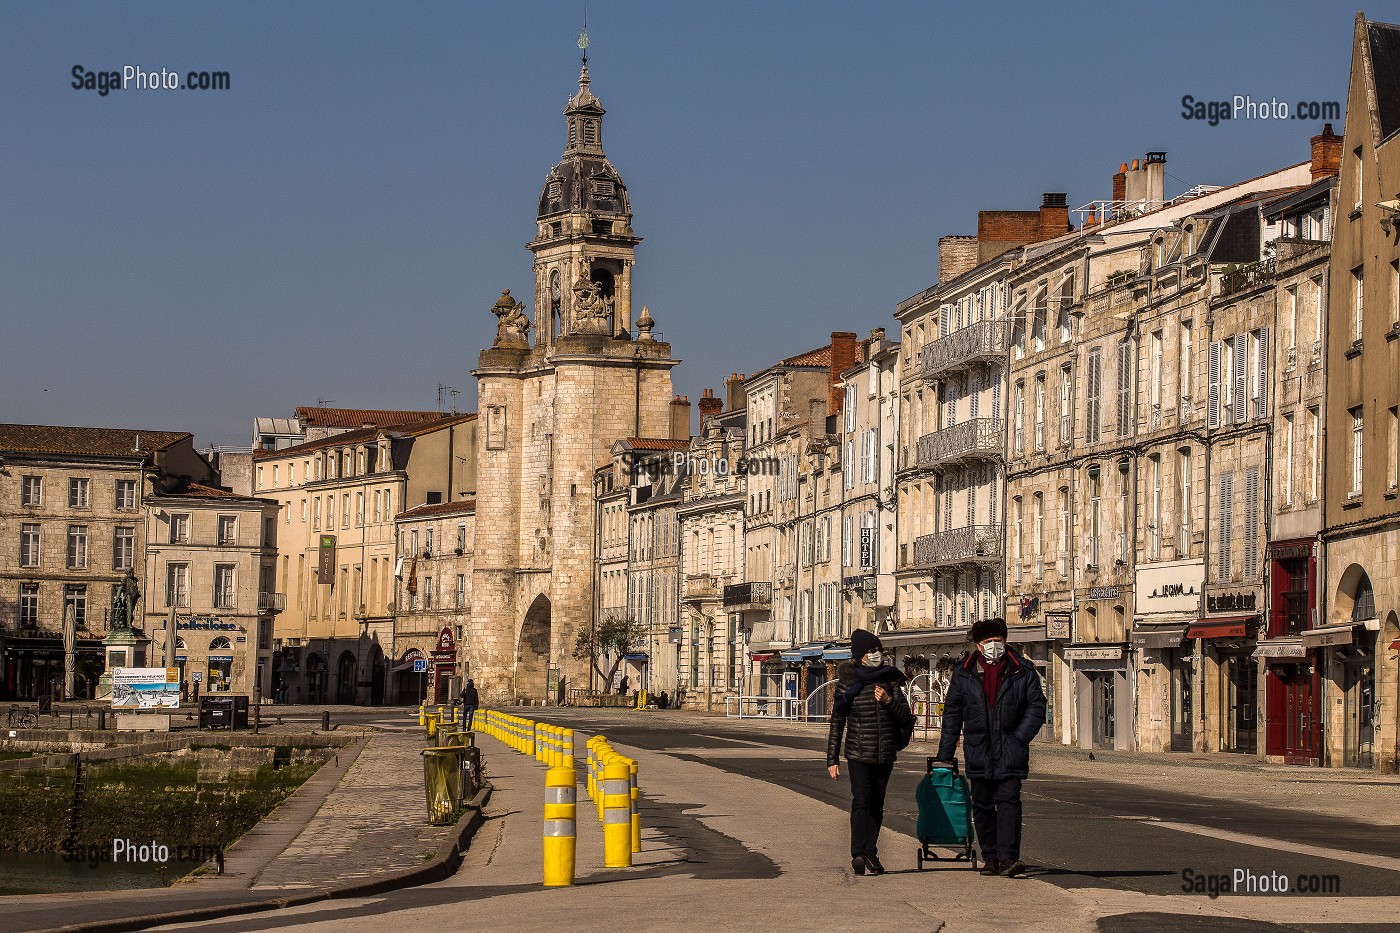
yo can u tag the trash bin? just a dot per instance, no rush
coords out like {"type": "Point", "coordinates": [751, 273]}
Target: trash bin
{"type": "Point", "coordinates": [469, 767]}
{"type": "Point", "coordinates": [223, 711]}
{"type": "Point", "coordinates": [433, 720]}
{"type": "Point", "coordinates": [442, 783]}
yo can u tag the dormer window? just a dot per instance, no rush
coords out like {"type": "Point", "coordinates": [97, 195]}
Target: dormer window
{"type": "Point", "coordinates": [590, 133]}
{"type": "Point", "coordinates": [556, 190]}
{"type": "Point", "coordinates": [605, 188]}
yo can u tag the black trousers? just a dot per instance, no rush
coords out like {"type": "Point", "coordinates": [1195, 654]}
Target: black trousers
{"type": "Point", "coordinates": [996, 812]}
{"type": "Point", "coordinates": [469, 714]}
{"type": "Point", "coordinates": [868, 783]}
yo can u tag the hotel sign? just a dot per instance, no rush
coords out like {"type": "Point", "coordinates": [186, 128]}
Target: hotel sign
{"type": "Point", "coordinates": [325, 568]}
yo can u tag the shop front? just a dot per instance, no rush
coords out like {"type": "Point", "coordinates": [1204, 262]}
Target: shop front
{"type": "Point", "coordinates": [1167, 600]}
{"type": "Point", "coordinates": [1102, 702]}
{"type": "Point", "coordinates": [442, 685]}
{"type": "Point", "coordinates": [1229, 688]}
{"type": "Point", "coordinates": [1348, 664]}
{"type": "Point", "coordinates": [31, 665]}
{"type": "Point", "coordinates": [1292, 679]}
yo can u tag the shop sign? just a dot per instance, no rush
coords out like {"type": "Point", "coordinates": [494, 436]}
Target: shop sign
{"type": "Point", "coordinates": [1094, 654]}
{"type": "Point", "coordinates": [206, 623]}
{"type": "Point", "coordinates": [1324, 638]}
{"type": "Point", "coordinates": [1057, 626]}
{"type": "Point", "coordinates": [1104, 592]}
{"type": "Point", "coordinates": [1169, 588]}
{"type": "Point", "coordinates": [1231, 602]}
{"type": "Point", "coordinates": [446, 644]}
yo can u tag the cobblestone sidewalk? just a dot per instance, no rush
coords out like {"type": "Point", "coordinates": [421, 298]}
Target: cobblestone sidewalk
{"type": "Point", "coordinates": [373, 822]}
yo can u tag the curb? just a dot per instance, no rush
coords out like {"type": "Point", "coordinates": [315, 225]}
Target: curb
{"type": "Point", "coordinates": [442, 866]}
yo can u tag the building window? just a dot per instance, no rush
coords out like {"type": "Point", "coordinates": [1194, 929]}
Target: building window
{"type": "Point", "coordinates": [1392, 451]}
{"type": "Point", "coordinates": [124, 547]}
{"type": "Point", "coordinates": [224, 586]}
{"type": "Point", "coordinates": [1125, 389]}
{"type": "Point", "coordinates": [78, 493]}
{"type": "Point", "coordinates": [1225, 527]}
{"type": "Point", "coordinates": [1093, 388]}
{"type": "Point", "coordinates": [345, 512]}
{"type": "Point", "coordinates": [177, 586]}
{"type": "Point", "coordinates": [1184, 381]}
{"type": "Point", "coordinates": [1357, 448]}
{"type": "Point", "coordinates": [77, 547]}
{"type": "Point", "coordinates": [1066, 405]}
{"type": "Point", "coordinates": [1184, 506]}
{"type": "Point", "coordinates": [125, 495]}
{"type": "Point", "coordinates": [1364, 607]}
{"type": "Point", "coordinates": [75, 604]}
{"type": "Point", "coordinates": [1020, 424]}
{"type": "Point", "coordinates": [461, 539]}
{"type": "Point", "coordinates": [179, 529]}
{"type": "Point", "coordinates": [359, 508]}
{"type": "Point", "coordinates": [1251, 523]}
{"type": "Point", "coordinates": [228, 530]}
{"type": "Point", "coordinates": [1154, 525]}
{"type": "Point", "coordinates": [316, 514]}
{"type": "Point", "coordinates": [31, 491]}
{"type": "Point", "coordinates": [1066, 518]}
{"type": "Point", "coordinates": [1286, 473]}
{"type": "Point", "coordinates": [1040, 412]}
{"type": "Point", "coordinates": [461, 591]}
{"type": "Point", "coordinates": [1358, 301]}
{"type": "Point", "coordinates": [29, 545]}
{"type": "Point", "coordinates": [427, 592]}
{"type": "Point", "coordinates": [1095, 516]}
{"type": "Point", "coordinates": [29, 605]}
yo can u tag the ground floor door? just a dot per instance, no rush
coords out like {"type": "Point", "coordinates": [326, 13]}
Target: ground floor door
{"type": "Point", "coordinates": [1359, 697]}
{"type": "Point", "coordinates": [1300, 719]}
{"type": "Point", "coordinates": [1239, 695]}
{"type": "Point", "coordinates": [1180, 670]}
{"type": "Point", "coordinates": [1103, 693]}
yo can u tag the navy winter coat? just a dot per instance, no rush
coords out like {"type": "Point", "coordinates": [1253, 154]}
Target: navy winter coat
{"type": "Point", "coordinates": [872, 730]}
{"type": "Point", "coordinates": [996, 742]}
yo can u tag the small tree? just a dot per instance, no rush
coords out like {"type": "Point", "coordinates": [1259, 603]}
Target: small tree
{"type": "Point", "coordinates": [613, 638]}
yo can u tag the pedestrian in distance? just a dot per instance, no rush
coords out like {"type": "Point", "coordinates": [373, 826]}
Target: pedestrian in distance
{"type": "Point", "coordinates": [873, 717]}
{"type": "Point", "coordinates": [470, 701]}
{"type": "Point", "coordinates": [996, 702]}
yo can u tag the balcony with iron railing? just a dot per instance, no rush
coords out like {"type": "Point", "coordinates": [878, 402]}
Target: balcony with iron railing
{"type": "Point", "coordinates": [978, 439]}
{"type": "Point", "coordinates": [272, 602]}
{"type": "Point", "coordinates": [748, 595]}
{"type": "Point", "coordinates": [982, 342]}
{"type": "Point", "coordinates": [1247, 276]}
{"type": "Point", "coordinates": [971, 544]}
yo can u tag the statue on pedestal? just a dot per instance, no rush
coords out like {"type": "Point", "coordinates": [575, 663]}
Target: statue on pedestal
{"type": "Point", "coordinates": [592, 311]}
{"type": "Point", "coordinates": [512, 322]}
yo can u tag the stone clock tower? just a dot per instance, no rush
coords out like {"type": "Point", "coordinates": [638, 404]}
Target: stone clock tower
{"type": "Point", "coordinates": [556, 390]}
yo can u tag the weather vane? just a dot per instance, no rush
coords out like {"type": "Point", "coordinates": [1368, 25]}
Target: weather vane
{"type": "Point", "coordinates": [583, 36]}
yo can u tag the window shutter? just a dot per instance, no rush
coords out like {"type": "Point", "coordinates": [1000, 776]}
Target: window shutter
{"type": "Point", "coordinates": [1241, 364]}
{"type": "Point", "coordinates": [1226, 526]}
{"type": "Point", "coordinates": [996, 395]}
{"type": "Point", "coordinates": [1091, 410]}
{"type": "Point", "coordinates": [1261, 403]}
{"type": "Point", "coordinates": [974, 389]}
{"type": "Point", "coordinates": [846, 541]}
{"type": "Point", "coordinates": [1125, 383]}
{"type": "Point", "coordinates": [1214, 409]}
{"type": "Point", "coordinates": [1251, 522]}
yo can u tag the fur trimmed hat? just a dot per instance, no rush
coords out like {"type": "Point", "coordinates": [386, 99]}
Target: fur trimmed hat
{"type": "Point", "coordinates": [988, 628]}
{"type": "Point", "coordinates": [862, 643]}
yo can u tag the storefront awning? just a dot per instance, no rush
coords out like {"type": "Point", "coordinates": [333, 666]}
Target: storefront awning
{"type": "Point", "coordinates": [1395, 645]}
{"type": "Point", "coordinates": [1166, 637]}
{"type": "Point", "coordinates": [1293, 649]}
{"type": "Point", "coordinates": [1329, 635]}
{"type": "Point", "coordinates": [836, 654]}
{"type": "Point", "coordinates": [1223, 627]}
{"type": "Point", "coordinates": [1020, 634]}
{"type": "Point", "coordinates": [763, 655]}
{"type": "Point", "coordinates": [635, 656]}
{"type": "Point", "coordinates": [813, 651]}
{"type": "Point", "coordinates": [925, 637]}
{"type": "Point", "coordinates": [791, 655]}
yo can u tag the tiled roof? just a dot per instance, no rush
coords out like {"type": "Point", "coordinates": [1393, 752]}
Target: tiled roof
{"type": "Point", "coordinates": [818, 357]}
{"type": "Point", "coordinates": [656, 443]}
{"type": "Point", "coordinates": [92, 442]}
{"type": "Point", "coordinates": [462, 507]}
{"type": "Point", "coordinates": [1385, 68]}
{"type": "Point", "coordinates": [204, 491]}
{"type": "Point", "coordinates": [349, 438]}
{"type": "Point", "coordinates": [359, 417]}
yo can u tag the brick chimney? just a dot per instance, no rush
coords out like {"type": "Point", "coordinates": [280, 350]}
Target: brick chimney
{"type": "Point", "coordinates": [1326, 153]}
{"type": "Point", "coordinates": [843, 357]}
{"type": "Point", "coordinates": [709, 407]}
{"type": "Point", "coordinates": [956, 255]}
{"type": "Point", "coordinates": [680, 418]}
{"type": "Point", "coordinates": [1120, 182]}
{"type": "Point", "coordinates": [734, 396]}
{"type": "Point", "coordinates": [1054, 214]}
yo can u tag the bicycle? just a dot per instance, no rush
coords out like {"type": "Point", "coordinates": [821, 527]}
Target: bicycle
{"type": "Point", "coordinates": [22, 718]}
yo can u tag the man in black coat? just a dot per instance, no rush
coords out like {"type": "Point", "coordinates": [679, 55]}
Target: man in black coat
{"type": "Point", "coordinates": [873, 716]}
{"type": "Point", "coordinates": [470, 701]}
{"type": "Point", "coordinates": [995, 700]}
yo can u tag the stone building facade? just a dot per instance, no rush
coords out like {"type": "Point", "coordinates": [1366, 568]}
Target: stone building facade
{"type": "Point", "coordinates": [1361, 593]}
{"type": "Point", "coordinates": [71, 507]}
{"type": "Point", "coordinates": [338, 558]}
{"type": "Point", "coordinates": [432, 601]}
{"type": "Point", "coordinates": [551, 408]}
{"type": "Point", "coordinates": [654, 579]}
{"type": "Point", "coordinates": [209, 599]}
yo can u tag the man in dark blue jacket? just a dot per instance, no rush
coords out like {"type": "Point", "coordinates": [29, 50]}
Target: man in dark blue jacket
{"type": "Point", "coordinates": [995, 700]}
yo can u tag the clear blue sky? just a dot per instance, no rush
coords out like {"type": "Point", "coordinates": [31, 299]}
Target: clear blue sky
{"type": "Point", "coordinates": [339, 223]}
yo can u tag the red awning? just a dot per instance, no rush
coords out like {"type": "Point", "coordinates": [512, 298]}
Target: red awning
{"type": "Point", "coordinates": [1395, 645]}
{"type": "Point", "coordinates": [763, 656]}
{"type": "Point", "coordinates": [1217, 628]}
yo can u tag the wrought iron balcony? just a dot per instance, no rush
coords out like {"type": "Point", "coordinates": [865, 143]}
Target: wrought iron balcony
{"type": "Point", "coordinates": [978, 439]}
{"type": "Point", "coordinates": [748, 595]}
{"type": "Point", "coordinates": [982, 342]}
{"type": "Point", "coordinates": [1247, 276]}
{"type": "Point", "coordinates": [272, 602]}
{"type": "Point", "coordinates": [972, 544]}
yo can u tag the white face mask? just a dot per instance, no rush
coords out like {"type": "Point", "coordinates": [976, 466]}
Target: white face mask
{"type": "Point", "coordinates": [874, 659]}
{"type": "Point", "coordinates": [993, 650]}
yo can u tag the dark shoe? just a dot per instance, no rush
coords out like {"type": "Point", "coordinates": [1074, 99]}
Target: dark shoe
{"type": "Point", "coordinates": [873, 866]}
{"type": "Point", "coordinates": [858, 864]}
{"type": "Point", "coordinates": [990, 866]}
{"type": "Point", "coordinates": [1015, 870]}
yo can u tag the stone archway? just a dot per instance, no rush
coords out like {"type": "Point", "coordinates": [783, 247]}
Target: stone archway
{"type": "Point", "coordinates": [532, 651]}
{"type": "Point", "coordinates": [347, 680]}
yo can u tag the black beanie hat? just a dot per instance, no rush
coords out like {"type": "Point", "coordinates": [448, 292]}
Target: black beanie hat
{"type": "Point", "coordinates": [862, 643]}
{"type": "Point", "coordinates": [988, 628]}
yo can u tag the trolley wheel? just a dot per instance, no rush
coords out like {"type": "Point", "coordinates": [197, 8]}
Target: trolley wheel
{"type": "Point", "coordinates": [919, 858]}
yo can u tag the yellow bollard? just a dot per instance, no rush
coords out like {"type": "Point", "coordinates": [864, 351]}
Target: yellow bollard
{"type": "Point", "coordinates": [636, 814]}
{"type": "Point", "coordinates": [560, 826]}
{"type": "Point", "coordinates": [422, 712]}
{"type": "Point", "coordinates": [588, 746]}
{"type": "Point", "coordinates": [617, 814]}
{"type": "Point", "coordinates": [567, 738]}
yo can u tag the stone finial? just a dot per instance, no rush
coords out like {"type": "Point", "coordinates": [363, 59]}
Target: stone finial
{"type": "Point", "coordinates": [645, 324]}
{"type": "Point", "coordinates": [512, 322]}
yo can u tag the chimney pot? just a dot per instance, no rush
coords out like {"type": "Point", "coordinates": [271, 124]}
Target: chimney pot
{"type": "Point", "coordinates": [1326, 153]}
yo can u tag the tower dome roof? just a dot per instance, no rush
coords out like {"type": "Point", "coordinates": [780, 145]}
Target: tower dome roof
{"type": "Point", "coordinates": [584, 180]}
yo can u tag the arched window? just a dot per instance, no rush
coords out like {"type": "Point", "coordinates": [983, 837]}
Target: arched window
{"type": "Point", "coordinates": [220, 644]}
{"type": "Point", "coordinates": [1365, 605]}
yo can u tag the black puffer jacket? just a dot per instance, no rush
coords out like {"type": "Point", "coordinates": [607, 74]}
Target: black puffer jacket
{"type": "Point", "coordinates": [996, 742]}
{"type": "Point", "coordinates": [872, 730]}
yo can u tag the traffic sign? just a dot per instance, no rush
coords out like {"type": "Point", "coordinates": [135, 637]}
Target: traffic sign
{"type": "Point", "coordinates": [198, 676]}
{"type": "Point", "coordinates": [420, 665]}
